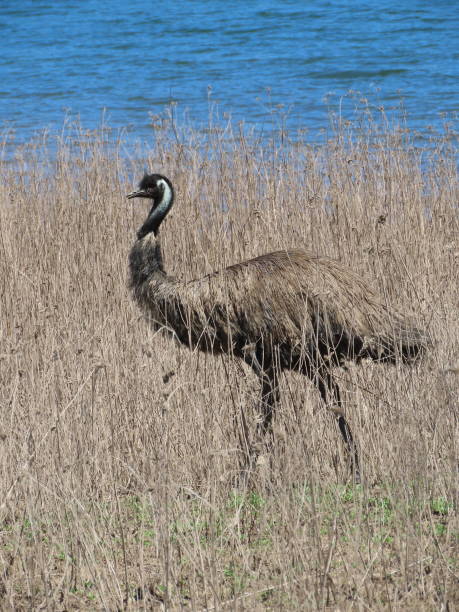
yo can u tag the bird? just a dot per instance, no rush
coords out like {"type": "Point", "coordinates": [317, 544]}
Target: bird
{"type": "Point", "coordinates": [285, 310]}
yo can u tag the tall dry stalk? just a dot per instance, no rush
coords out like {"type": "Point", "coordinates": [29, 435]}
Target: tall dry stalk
{"type": "Point", "coordinates": [118, 447]}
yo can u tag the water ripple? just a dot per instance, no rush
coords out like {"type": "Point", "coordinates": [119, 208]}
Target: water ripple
{"type": "Point", "coordinates": [132, 59]}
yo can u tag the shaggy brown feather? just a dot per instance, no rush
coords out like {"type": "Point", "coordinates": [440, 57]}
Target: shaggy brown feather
{"type": "Point", "coordinates": [284, 310]}
{"type": "Point", "coordinates": [291, 299]}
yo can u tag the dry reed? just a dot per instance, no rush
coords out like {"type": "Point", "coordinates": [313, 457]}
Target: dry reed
{"type": "Point", "coordinates": [118, 447]}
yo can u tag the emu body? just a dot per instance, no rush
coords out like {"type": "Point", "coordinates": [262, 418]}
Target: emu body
{"type": "Point", "coordinates": [283, 310]}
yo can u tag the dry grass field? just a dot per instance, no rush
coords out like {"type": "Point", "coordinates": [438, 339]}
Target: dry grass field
{"type": "Point", "coordinates": [118, 448]}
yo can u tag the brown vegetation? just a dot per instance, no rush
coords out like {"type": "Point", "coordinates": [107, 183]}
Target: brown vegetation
{"type": "Point", "coordinates": [118, 447]}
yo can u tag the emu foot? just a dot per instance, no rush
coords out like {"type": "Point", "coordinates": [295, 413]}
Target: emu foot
{"type": "Point", "coordinates": [253, 460]}
{"type": "Point", "coordinates": [357, 479]}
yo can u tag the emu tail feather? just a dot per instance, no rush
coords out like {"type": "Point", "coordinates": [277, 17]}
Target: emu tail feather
{"type": "Point", "coordinates": [404, 342]}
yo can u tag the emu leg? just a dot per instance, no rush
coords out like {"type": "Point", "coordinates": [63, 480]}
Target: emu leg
{"type": "Point", "coordinates": [270, 395]}
{"type": "Point", "coordinates": [329, 390]}
{"type": "Point", "coordinates": [269, 398]}
{"type": "Point", "coordinates": [269, 379]}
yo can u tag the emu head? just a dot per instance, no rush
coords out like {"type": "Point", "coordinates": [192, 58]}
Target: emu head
{"type": "Point", "coordinates": [153, 187]}
{"type": "Point", "coordinates": [157, 188]}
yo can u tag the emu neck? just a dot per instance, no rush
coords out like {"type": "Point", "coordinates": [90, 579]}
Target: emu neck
{"type": "Point", "coordinates": [146, 229]}
{"type": "Point", "coordinates": [151, 225]}
{"type": "Point", "coordinates": [146, 260]}
{"type": "Point", "coordinates": [158, 212]}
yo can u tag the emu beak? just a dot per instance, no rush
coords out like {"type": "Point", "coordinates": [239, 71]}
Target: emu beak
{"type": "Point", "coordinates": [137, 194]}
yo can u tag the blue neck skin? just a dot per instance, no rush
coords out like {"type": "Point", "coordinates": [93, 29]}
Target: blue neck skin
{"type": "Point", "coordinates": [157, 214]}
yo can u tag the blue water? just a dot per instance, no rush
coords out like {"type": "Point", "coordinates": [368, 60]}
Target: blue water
{"type": "Point", "coordinates": [294, 59]}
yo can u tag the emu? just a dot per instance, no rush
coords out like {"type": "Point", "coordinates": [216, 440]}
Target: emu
{"type": "Point", "coordinates": [287, 310]}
